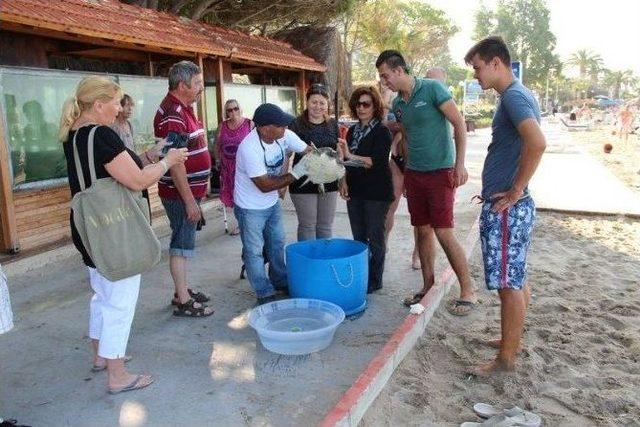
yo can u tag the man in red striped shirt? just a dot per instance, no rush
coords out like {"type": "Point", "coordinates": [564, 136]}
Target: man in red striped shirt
{"type": "Point", "coordinates": [184, 185]}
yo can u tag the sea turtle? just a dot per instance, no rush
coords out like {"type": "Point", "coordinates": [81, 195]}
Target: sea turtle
{"type": "Point", "coordinates": [323, 167]}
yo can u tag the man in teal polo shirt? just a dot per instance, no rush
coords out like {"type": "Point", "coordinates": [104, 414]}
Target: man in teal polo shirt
{"type": "Point", "coordinates": [434, 170]}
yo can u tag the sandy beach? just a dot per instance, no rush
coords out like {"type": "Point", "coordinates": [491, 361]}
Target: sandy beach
{"type": "Point", "coordinates": [581, 360]}
{"type": "Point", "coordinates": [624, 159]}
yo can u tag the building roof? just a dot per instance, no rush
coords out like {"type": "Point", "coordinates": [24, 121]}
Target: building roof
{"type": "Point", "coordinates": [110, 21]}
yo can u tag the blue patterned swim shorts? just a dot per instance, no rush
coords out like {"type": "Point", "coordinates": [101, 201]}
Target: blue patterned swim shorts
{"type": "Point", "coordinates": [505, 238]}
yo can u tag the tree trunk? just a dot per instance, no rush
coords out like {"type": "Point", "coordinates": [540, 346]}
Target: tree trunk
{"type": "Point", "coordinates": [177, 6]}
{"type": "Point", "coordinates": [201, 7]}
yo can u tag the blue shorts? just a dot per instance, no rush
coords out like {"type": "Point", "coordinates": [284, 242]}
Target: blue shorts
{"type": "Point", "coordinates": [505, 238]}
{"type": "Point", "coordinates": [183, 231]}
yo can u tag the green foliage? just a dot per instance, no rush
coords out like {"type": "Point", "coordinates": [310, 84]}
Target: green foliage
{"type": "Point", "coordinates": [617, 80]}
{"type": "Point", "coordinates": [484, 22]}
{"type": "Point", "coordinates": [524, 24]}
{"type": "Point", "coordinates": [420, 31]}
{"type": "Point", "coordinates": [586, 61]}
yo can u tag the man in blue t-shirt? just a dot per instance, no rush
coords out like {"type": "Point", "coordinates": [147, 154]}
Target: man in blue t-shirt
{"type": "Point", "coordinates": [508, 212]}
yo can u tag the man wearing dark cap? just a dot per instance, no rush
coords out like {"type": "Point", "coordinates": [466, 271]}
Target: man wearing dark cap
{"type": "Point", "coordinates": [260, 161]}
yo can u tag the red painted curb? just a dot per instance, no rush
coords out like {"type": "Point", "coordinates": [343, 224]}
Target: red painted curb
{"type": "Point", "coordinates": [353, 399]}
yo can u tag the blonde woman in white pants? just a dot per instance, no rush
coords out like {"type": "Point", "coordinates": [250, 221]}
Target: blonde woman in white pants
{"type": "Point", "coordinates": [97, 102]}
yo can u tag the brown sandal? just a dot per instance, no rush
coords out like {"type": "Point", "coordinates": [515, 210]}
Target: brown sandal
{"type": "Point", "coordinates": [188, 310]}
{"type": "Point", "coordinates": [198, 296]}
{"type": "Point", "coordinates": [415, 299]}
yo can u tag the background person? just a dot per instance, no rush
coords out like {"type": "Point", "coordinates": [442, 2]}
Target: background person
{"type": "Point", "coordinates": [230, 134]}
{"type": "Point", "coordinates": [626, 117]}
{"type": "Point", "coordinates": [368, 190]}
{"type": "Point", "coordinates": [182, 188]}
{"type": "Point", "coordinates": [97, 101]}
{"type": "Point", "coordinates": [315, 210]}
{"type": "Point", "coordinates": [122, 126]}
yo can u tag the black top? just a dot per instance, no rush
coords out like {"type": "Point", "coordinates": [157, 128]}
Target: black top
{"type": "Point", "coordinates": [322, 135]}
{"type": "Point", "coordinates": [107, 145]}
{"type": "Point", "coordinates": [373, 183]}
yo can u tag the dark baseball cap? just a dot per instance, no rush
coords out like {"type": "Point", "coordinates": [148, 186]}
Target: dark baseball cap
{"type": "Point", "coordinates": [271, 114]}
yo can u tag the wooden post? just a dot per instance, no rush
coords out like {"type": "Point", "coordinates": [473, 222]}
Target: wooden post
{"type": "Point", "coordinates": [202, 105]}
{"type": "Point", "coordinates": [8, 224]}
{"type": "Point", "coordinates": [302, 87]}
{"type": "Point", "coordinates": [219, 73]}
{"type": "Point", "coordinates": [151, 67]}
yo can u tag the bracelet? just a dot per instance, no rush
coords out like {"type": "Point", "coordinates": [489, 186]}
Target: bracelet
{"type": "Point", "coordinates": [163, 162]}
{"type": "Point", "coordinates": [146, 154]}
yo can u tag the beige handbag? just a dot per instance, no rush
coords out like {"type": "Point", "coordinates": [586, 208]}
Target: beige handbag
{"type": "Point", "coordinates": [113, 223]}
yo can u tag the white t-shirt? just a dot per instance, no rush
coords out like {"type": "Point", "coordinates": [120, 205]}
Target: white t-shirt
{"type": "Point", "coordinates": [256, 158]}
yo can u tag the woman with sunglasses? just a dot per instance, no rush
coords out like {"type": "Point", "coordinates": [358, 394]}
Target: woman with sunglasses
{"type": "Point", "coordinates": [368, 189]}
{"type": "Point", "coordinates": [315, 210]}
{"type": "Point", "coordinates": [230, 134]}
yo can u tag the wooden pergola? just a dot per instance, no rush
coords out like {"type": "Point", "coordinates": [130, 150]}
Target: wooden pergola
{"type": "Point", "coordinates": [108, 29]}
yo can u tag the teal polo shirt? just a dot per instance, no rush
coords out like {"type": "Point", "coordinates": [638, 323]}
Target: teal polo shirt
{"type": "Point", "coordinates": [430, 144]}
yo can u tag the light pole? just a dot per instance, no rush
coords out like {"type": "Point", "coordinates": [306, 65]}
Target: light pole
{"type": "Point", "coordinates": [546, 93]}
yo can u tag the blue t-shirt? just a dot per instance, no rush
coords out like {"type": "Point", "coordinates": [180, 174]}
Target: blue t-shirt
{"type": "Point", "coordinates": [517, 104]}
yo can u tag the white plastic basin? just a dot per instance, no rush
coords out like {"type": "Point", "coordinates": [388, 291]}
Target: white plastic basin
{"type": "Point", "coordinates": [296, 326]}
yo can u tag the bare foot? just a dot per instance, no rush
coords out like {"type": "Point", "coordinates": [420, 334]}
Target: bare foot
{"type": "Point", "coordinates": [415, 263]}
{"type": "Point", "coordinates": [100, 363]}
{"type": "Point", "coordinates": [498, 343]}
{"type": "Point", "coordinates": [490, 368]}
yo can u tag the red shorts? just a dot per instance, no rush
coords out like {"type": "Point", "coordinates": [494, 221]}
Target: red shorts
{"type": "Point", "coordinates": [430, 196]}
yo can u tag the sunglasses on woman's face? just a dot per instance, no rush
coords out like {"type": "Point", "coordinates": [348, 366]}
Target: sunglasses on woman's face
{"type": "Point", "coordinates": [232, 109]}
{"type": "Point", "coordinates": [363, 104]}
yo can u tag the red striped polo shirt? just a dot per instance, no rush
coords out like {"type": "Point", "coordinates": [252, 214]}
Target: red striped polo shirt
{"type": "Point", "coordinates": [173, 115]}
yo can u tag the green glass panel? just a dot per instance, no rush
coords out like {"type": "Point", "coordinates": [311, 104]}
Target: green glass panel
{"type": "Point", "coordinates": [285, 98]}
{"type": "Point", "coordinates": [32, 102]}
{"type": "Point", "coordinates": [147, 94]}
{"type": "Point", "coordinates": [248, 96]}
{"type": "Point", "coordinates": [212, 114]}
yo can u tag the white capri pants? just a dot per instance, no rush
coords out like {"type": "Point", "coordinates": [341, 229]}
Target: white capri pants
{"type": "Point", "coordinates": [6, 315]}
{"type": "Point", "coordinates": [111, 312]}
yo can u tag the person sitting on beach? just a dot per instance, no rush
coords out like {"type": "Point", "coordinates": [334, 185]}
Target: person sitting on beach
{"type": "Point", "coordinates": [508, 211]}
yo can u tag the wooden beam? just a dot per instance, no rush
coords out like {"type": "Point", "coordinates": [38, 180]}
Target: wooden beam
{"type": "Point", "coordinates": [8, 224]}
{"type": "Point", "coordinates": [202, 104]}
{"type": "Point", "coordinates": [247, 70]}
{"type": "Point", "coordinates": [152, 70]}
{"type": "Point", "coordinates": [302, 89]}
{"type": "Point", "coordinates": [111, 53]}
{"type": "Point", "coordinates": [219, 73]}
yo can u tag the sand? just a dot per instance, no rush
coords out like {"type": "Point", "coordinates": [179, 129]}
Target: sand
{"type": "Point", "coordinates": [581, 360]}
{"type": "Point", "coordinates": [624, 159]}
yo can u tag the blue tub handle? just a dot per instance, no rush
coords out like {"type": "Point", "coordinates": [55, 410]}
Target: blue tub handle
{"type": "Point", "coordinates": [335, 274]}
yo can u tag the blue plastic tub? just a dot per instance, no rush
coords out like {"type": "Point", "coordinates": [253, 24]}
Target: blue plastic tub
{"type": "Point", "coordinates": [334, 270]}
{"type": "Point", "coordinates": [296, 326]}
